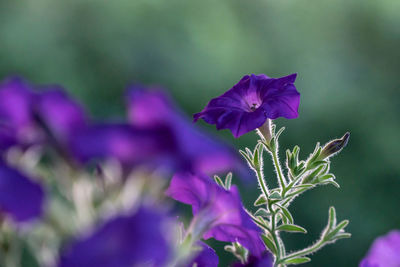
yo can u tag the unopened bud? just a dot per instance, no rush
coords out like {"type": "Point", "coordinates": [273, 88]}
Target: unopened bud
{"type": "Point", "coordinates": [334, 146]}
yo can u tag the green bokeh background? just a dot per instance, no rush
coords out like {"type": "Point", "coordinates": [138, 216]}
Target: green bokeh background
{"type": "Point", "coordinates": [346, 54]}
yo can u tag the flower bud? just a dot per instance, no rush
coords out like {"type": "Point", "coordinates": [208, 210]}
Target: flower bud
{"type": "Point", "coordinates": [334, 146]}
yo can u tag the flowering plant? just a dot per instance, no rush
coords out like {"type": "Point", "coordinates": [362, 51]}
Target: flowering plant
{"type": "Point", "coordinates": [75, 192]}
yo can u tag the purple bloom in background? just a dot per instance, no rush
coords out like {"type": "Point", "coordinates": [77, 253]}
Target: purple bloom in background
{"type": "Point", "coordinates": [249, 103]}
{"type": "Point", "coordinates": [16, 110]}
{"type": "Point", "coordinates": [266, 260]}
{"type": "Point", "coordinates": [20, 197]}
{"type": "Point", "coordinates": [384, 252]}
{"type": "Point", "coordinates": [206, 257]}
{"type": "Point", "coordinates": [219, 213]}
{"type": "Point", "coordinates": [197, 151]}
{"type": "Point", "coordinates": [59, 113]}
{"type": "Point", "coordinates": [124, 241]}
{"type": "Point", "coordinates": [26, 116]}
{"type": "Point", "coordinates": [126, 143]}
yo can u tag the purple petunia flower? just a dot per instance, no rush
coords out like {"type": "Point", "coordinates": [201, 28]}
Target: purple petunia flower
{"type": "Point", "coordinates": [249, 103]}
{"type": "Point", "coordinates": [30, 117]}
{"type": "Point", "coordinates": [20, 197]}
{"type": "Point", "coordinates": [384, 252]}
{"type": "Point", "coordinates": [218, 213]}
{"type": "Point", "coordinates": [197, 151]}
{"type": "Point", "coordinates": [126, 143]}
{"type": "Point", "coordinates": [123, 241]}
{"type": "Point", "coordinates": [205, 258]}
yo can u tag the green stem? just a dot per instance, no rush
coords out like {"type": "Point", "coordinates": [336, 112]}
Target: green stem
{"type": "Point", "coordinates": [274, 235]}
{"type": "Point", "coordinates": [261, 182]}
{"type": "Point", "coordinates": [305, 251]}
{"type": "Point", "coordinates": [278, 169]}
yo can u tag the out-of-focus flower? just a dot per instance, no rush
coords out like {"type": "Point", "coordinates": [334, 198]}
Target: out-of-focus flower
{"type": "Point", "coordinates": [126, 143]}
{"type": "Point", "coordinates": [205, 258]}
{"type": "Point", "coordinates": [384, 252]}
{"type": "Point", "coordinates": [218, 213]}
{"type": "Point", "coordinates": [138, 239]}
{"type": "Point", "coordinates": [266, 260]}
{"type": "Point", "coordinates": [16, 110]}
{"type": "Point", "coordinates": [249, 103]}
{"type": "Point", "coordinates": [197, 151]}
{"type": "Point", "coordinates": [20, 197]}
{"type": "Point", "coordinates": [61, 115]}
{"type": "Point", "coordinates": [34, 117]}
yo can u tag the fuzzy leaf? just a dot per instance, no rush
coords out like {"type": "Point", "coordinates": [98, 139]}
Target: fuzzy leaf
{"type": "Point", "coordinates": [270, 244]}
{"type": "Point", "coordinates": [297, 260]}
{"type": "Point", "coordinates": [262, 212]}
{"type": "Point", "coordinates": [287, 214]}
{"type": "Point", "coordinates": [340, 226]}
{"type": "Point", "coordinates": [260, 201]}
{"type": "Point", "coordinates": [275, 195]}
{"type": "Point", "coordinates": [291, 228]}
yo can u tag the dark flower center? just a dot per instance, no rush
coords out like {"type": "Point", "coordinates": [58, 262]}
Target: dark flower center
{"type": "Point", "coordinates": [253, 107]}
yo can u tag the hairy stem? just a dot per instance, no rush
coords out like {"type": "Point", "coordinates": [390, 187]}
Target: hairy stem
{"type": "Point", "coordinates": [278, 169]}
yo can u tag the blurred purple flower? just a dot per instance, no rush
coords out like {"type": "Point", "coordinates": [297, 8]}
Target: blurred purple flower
{"type": "Point", "coordinates": [123, 241]}
{"type": "Point", "coordinates": [29, 115]}
{"type": "Point", "coordinates": [218, 213]}
{"type": "Point", "coordinates": [20, 197]}
{"type": "Point", "coordinates": [384, 252]}
{"type": "Point", "coordinates": [266, 260]}
{"type": "Point", "coordinates": [206, 257]}
{"type": "Point", "coordinates": [126, 143]}
{"type": "Point", "coordinates": [197, 151]}
{"type": "Point", "coordinates": [16, 110]}
{"type": "Point", "coordinates": [249, 103]}
{"type": "Point", "coordinates": [61, 115]}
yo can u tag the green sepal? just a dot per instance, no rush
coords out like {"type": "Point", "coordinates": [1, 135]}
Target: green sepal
{"type": "Point", "coordinates": [228, 181]}
{"type": "Point", "coordinates": [218, 180]}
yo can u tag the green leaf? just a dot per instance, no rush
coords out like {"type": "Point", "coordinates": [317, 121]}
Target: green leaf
{"type": "Point", "coordinates": [247, 158]}
{"type": "Point", "coordinates": [332, 218]}
{"type": "Point", "coordinates": [228, 181]}
{"type": "Point", "coordinates": [287, 214]}
{"type": "Point", "coordinates": [279, 133]}
{"type": "Point", "coordinates": [262, 212]}
{"type": "Point", "coordinates": [296, 192]}
{"type": "Point", "coordinates": [260, 201]}
{"type": "Point", "coordinates": [332, 183]}
{"type": "Point", "coordinates": [301, 186]}
{"type": "Point", "coordinates": [326, 177]}
{"type": "Point", "coordinates": [270, 244]}
{"type": "Point", "coordinates": [249, 152]}
{"type": "Point", "coordinates": [218, 180]}
{"type": "Point", "coordinates": [340, 226]}
{"type": "Point", "coordinates": [291, 228]}
{"type": "Point", "coordinates": [297, 260]}
{"type": "Point", "coordinates": [275, 195]}
{"type": "Point", "coordinates": [341, 236]}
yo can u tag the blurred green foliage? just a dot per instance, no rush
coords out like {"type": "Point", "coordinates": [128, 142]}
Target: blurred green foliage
{"type": "Point", "coordinates": [346, 54]}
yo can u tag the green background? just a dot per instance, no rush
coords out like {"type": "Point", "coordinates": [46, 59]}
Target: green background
{"type": "Point", "coordinates": [346, 54]}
